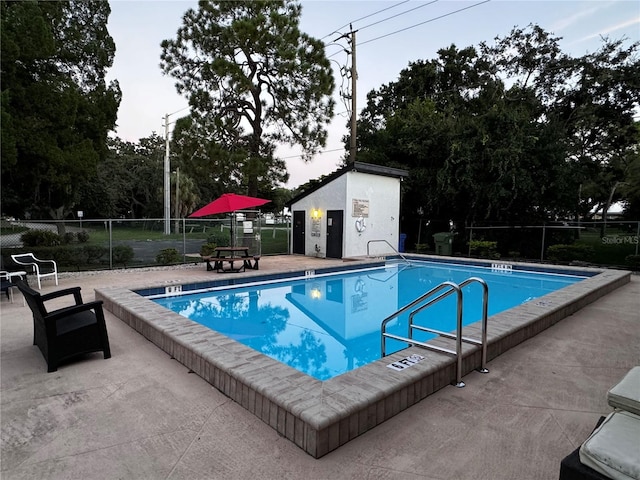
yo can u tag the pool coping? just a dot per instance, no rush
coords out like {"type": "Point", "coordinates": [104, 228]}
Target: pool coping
{"type": "Point", "coordinates": [320, 416]}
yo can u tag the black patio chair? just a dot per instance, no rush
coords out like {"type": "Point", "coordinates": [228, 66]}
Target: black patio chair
{"type": "Point", "coordinates": [69, 331]}
{"type": "Point", "coordinates": [5, 285]}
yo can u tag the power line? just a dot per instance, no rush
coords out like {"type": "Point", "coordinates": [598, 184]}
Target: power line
{"type": "Point", "coordinates": [397, 15]}
{"type": "Point", "coordinates": [375, 23]}
{"type": "Point", "coordinates": [317, 153]}
{"type": "Point", "coordinates": [406, 28]}
{"type": "Point", "coordinates": [362, 18]}
{"type": "Point", "coordinates": [422, 23]}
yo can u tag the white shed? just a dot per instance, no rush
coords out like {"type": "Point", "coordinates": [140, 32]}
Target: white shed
{"type": "Point", "coordinates": [348, 209]}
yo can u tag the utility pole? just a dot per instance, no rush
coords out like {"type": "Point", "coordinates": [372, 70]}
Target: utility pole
{"type": "Point", "coordinates": [354, 81]}
{"type": "Point", "coordinates": [177, 200]}
{"type": "Point", "coordinates": [167, 185]}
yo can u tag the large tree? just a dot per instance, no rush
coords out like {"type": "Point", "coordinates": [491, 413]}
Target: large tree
{"type": "Point", "coordinates": [474, 149]}
{"type": "Point", "coordinates": [511, 132]}
{"type": "Point", "coordinates": [129, 182]}
{"type": "Point", "coordinates": [253, 79]}
{"type": "Point", "coordinates": [56, 106]}
{"type": "Point", "coordinates": [591, 100]}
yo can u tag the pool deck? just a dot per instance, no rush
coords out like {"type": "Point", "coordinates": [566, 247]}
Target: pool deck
{"type": "Point", "coordinates": [141, 414]}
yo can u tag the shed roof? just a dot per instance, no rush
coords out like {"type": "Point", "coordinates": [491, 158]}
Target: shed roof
{"type": "Point", "coordinates": [351, 167]}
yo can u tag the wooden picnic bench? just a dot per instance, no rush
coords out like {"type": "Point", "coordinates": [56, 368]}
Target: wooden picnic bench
{"type": "Point", "coordinates": [237, 261]}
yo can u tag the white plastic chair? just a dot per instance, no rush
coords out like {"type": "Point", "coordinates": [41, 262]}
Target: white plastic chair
{"type": "Point", "coordinates": [6, 278]}
{"type": "Point", "coordinates": [41, 268]}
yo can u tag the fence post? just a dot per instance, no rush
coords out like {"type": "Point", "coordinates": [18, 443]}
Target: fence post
{"type": "Point", "coordinates": [184, 239]}
{"type": "Point", "coordinates": [544, 231]}
{"type": "Point", "coordinates": [110, 245]}
{"type": "Point", "coordinates": [259, 217]}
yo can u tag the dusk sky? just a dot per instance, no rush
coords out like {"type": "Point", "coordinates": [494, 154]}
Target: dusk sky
{"type": "Point", "coordinates": [416, 33]}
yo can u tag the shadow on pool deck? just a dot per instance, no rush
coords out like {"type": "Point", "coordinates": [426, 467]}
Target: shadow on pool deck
{"type": "Point", "coordinates": [141, 414]}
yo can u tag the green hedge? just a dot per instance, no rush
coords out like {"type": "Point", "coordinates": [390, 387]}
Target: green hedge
{"type": "Point", "coordinates": [570, 253]}
{"type": "Point", "coordinates": [122, 254]}
{"type": "Point", "coordinates": [168, 256]}
{"type": "Point", "coordinates": [47, 238]}
{"type": "Point", "coordinates": [74, 257]}
{"type": "Point", "coordinates": [41, 238]}
{"type": "Point", "coordinates": [633, 261]}
{"type": "Point", "coordinates": [484, 249]}
{"type": "Point", "coordinates": [208, 249]}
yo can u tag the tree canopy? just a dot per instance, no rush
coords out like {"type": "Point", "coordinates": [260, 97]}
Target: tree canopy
{"type": "Point", "coordinates": [512, 132]}
{"type": "Point", "coordinates": [56, 106]}
{"type": "Point", "coordinates": [253, 80]}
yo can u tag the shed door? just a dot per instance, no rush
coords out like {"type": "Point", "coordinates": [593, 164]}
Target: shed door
{"type": "Point", "coordinates": [298, 231]}
{"type": "Point", "coordinates": [334, 233]}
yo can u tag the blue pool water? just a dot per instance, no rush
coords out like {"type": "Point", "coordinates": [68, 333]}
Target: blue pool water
{"type": "Point", "coordinates": [328, 325]}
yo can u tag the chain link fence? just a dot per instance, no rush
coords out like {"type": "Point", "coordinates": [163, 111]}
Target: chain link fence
{"type": "Point", "coordinates": [122, 243]}
{"type": "Point", "coordinates": [612, 243]}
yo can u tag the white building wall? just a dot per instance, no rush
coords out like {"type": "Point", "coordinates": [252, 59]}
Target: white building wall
{"type": "Point", "coordinates": [382, 196]}
{"type": "Point", "coordinates": [328, 197]}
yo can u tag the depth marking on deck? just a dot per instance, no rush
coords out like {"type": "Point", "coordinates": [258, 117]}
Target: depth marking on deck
{"type": "Point", "coordinates": [406, 362]}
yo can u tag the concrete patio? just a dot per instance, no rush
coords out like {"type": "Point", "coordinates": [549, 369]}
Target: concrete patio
{"type": "Point", "coordinates": [141, 414]}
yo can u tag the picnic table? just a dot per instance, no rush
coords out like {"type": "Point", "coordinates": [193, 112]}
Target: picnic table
{"type": "Point", "coordinates": [231, 259]}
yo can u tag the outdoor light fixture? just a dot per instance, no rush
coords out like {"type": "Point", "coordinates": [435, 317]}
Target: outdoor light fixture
{"type": "Point", "coordinates": [315, 214]}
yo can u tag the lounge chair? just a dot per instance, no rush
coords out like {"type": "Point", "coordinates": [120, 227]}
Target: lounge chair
{"type": "Point", "coordinates": [41, 268]}
{"type": "Point", "coordinates": [66, 332]}
{"type": "Point", "coordinates": [612, 450]}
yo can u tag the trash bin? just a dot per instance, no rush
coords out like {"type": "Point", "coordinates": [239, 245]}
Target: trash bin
{"type": "Point", "coordinates": [443, 242]}
{"type": "Point", "coordinates": [403, 237]}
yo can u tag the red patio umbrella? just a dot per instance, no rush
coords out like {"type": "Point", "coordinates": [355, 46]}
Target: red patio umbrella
{"type": "Point", "coordinates": [228, 203]}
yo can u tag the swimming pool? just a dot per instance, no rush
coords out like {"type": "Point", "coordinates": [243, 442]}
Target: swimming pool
{"type": "Point", "coordinates": [320, 416]}
{"type": "Point", "coordinates": [327, 325]}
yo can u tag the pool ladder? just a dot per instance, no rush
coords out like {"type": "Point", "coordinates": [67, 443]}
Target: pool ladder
{"type": "Point", "coordinates": [422, 302]}
{"type": "Point", "coordinates": [392, 248]}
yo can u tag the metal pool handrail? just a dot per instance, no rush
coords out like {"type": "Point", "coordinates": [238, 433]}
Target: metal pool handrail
{"type": "Point", "coordinates": [485, 307]}
{"type": "Point", "coordinates": [392, 248]}
{"type": "Point", "coordinates": [452, 288]}
{"type": "Point", "coordinates": [421, 303]}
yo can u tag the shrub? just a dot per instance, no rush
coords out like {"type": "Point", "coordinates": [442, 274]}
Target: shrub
{"type": "Point", "coordinates": [122, 254]}
{"type": "Point", "coordinates": [219, 238]}
{"type": "Point", "coordinates": [69, 237]}
{"type": "Point", "coordinates": [207, 249]}
{"type": "Point", "coordinates": [484, 249]}
{"type": "Point", "coordinates": [95, 252]}
{"type": "Point", "coordinates": [422, 247]}
{"type": "Point", "coordinates": [83, 236]}
{"type": "Point", "coordinates": [40, 238]}
{"type": "Point", "coordinates": [70, 256]}
{"type": "Point", "coordinates": [570, 253]}
{"type": "Point", "coordinates": [633, 261]}
{"type": "Point", "coordinates": [168, 256]}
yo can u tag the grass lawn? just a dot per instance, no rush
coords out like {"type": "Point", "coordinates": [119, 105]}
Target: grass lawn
{"type": "Point", "coordinates": [9, 229]}
{"type": "Point", "coordinates": [612, 248]}
{"type": "Point", "coordinates": [274, 241]}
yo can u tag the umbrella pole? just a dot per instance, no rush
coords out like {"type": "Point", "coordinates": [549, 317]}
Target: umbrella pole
{"type": "Point", "coordinates": [233, 215]}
